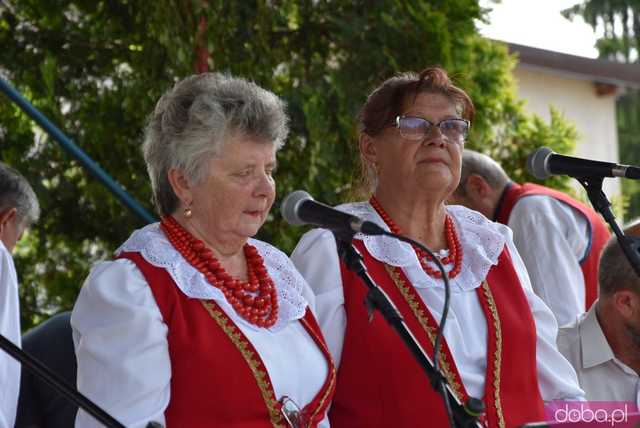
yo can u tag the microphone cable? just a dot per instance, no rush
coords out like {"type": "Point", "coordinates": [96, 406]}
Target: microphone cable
{"type": "Point", "coordinates": [443, 320]}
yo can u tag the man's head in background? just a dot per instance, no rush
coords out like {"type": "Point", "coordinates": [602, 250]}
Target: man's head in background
{"type": "Point", "coordinates": [619, 301]}
{"type": "Point", "coordinates": [482, 182]}
{"type": "Point", "coordinates": [19, 206]}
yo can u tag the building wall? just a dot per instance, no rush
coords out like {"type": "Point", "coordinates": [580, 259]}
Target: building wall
{"type": "Point", "coordinates": [593, 115]}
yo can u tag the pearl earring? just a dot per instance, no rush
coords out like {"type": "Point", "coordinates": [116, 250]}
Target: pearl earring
{"type": "Point", "coordinates": [188, 212]}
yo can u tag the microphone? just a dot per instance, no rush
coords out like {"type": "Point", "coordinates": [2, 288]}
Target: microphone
{"type": "Point", "coordinates": [300, 208]}
{"type": "Point", "coordinates": [544, 162]}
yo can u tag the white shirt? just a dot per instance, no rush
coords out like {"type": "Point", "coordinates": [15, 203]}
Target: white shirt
{"type": "Point", "coordinates": [10, 329]}
{"type": "Point", "coordinates": [602, 376]}
{"type": "Point", "coordinates": [552, 238]}
{"type": "Point", "coordinates": [466, 331]}
{"type": "Point", "coordinates": [121, 338]}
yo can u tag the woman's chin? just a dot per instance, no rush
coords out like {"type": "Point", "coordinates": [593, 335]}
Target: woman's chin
{"type": "Point", "coordinates": [251, 227]}
{"type": "Point", "coordinates": [435, 180]}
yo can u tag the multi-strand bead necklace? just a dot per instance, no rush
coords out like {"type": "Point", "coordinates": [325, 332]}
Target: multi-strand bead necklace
{"type": "Point", "coordinates": [453, 242]}
{"type": "Point", "coordinates": [255, 300]}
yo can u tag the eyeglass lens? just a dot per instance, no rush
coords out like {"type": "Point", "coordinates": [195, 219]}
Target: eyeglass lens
{"type": "Point", "coordinates": [291, 412]}
{"type": "Point", "coordinates": [417, 128]}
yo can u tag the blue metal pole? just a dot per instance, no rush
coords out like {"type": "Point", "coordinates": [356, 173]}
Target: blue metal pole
{"type": "Point", "coordinates": [75, 151]}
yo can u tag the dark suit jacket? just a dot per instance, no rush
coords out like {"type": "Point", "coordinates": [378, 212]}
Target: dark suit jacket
{"type": "Point", "coordinates": [39, 406]}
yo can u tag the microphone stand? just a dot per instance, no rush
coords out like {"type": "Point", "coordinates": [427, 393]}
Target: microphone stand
{"type": "Point", "coordinates": [61, 386]}
{"type": "Point", "coordinates": [460, 415]}
{"type": "Point", "coordinates": [630, 245]}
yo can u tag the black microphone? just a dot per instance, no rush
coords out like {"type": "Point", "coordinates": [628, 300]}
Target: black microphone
{"type": "Point", "coordinates": [544, 162]}
{"type": "Point", "coordinates": [300, 208]}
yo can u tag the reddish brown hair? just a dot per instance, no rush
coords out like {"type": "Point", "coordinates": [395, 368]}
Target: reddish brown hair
{"type": "Point", "coordinates": [387, 101]}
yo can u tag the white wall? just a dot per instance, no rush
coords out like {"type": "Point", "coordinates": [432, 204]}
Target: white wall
{"type": "Point", "coordinates": [593, 115]}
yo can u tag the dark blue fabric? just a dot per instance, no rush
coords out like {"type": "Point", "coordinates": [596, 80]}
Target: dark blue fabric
{"type": "Point", "coordinates": [39, 406]}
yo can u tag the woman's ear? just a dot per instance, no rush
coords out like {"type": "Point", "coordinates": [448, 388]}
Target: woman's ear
{"type": "Point", "coordinates": [180, 185]}
{"type": "Point", "coordinates": [368, 148]}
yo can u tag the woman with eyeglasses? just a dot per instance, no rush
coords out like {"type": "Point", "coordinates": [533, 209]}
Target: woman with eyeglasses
{"type": "Point", "coordinates": [196, 324]}
{"type": "Point", "coordinates": [499, 338]}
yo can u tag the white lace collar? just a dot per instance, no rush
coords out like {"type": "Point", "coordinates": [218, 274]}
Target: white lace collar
{"type": "Point", "coordinates": [153, 245]}
{"type": "Point", "coordinates": [481, 240]}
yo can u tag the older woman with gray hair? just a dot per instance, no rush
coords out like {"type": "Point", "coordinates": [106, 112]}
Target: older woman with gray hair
{"type": "Point", "coordinates": [196, 324]}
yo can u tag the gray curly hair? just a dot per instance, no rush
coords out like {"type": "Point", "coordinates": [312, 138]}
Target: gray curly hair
{"type": "Point", "coordinates": [15, 192]}
{"type": "Point", "coordinates": [192, 121]}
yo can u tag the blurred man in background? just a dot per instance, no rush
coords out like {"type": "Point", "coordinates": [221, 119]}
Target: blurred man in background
{"type": "Point", "coordinates": [603, 345]}
{"type": "Point", "coordinates": [559, 238]}
{"type": "Point", "coordinates": [18, 210]}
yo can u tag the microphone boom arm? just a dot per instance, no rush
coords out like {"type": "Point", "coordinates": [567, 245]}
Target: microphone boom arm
{"type": "Point", "coordinates": [57, 383]}
{"type": "Point", "coordinates": [461, 415]}
{"type": "Point", "coordinates": [630, 245]}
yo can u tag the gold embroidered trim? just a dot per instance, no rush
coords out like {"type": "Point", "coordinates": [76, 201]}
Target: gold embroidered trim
{"type": "Point", "coordinates": [497, 357]}
{"type": "Point", "coordinates": [332, 371]}
{"type": "Point", "coordinates": [261, 376]}
{"type": "Point", "coordinates": [422, 319]}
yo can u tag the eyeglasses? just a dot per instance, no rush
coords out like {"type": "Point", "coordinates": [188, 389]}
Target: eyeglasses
{"type": "Point", "coordinates": [417, 128]}
{"type": "Point", "coordinates": [292, 413]}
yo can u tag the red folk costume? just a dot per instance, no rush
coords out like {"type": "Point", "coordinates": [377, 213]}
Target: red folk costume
{"type": "Point", "coordinates": [381, 385]}
{"type": "Point", "coordinates": [599, 233]}
{"type": "Point", "coordinates": [217, 376]}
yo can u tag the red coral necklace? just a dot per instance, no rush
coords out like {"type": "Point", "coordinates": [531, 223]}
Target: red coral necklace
{"type": "Point", "coordinates": [254, 300]}
{"type": "Point", "coordinates": [453, 243]}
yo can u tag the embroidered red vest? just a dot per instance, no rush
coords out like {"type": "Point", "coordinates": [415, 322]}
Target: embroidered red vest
{"type": "Point", "coordinates": [380, 384]}
{"type": "Point", "coordinates": [217, 377]}
{"type": "Point", "coordinates": [598, 231]}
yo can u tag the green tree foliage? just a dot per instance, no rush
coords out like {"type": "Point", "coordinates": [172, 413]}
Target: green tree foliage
{"type": "Point", "coordinates": [96, 69]}
{"type": "Point", "coordinates": [620, 20]}
{"type": "Point", "coordinates": [628, 117]}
